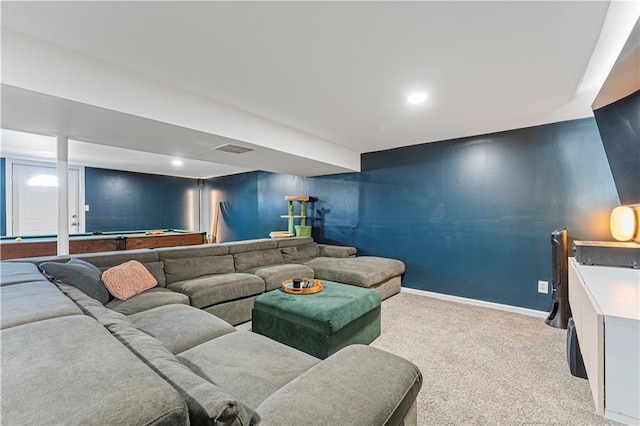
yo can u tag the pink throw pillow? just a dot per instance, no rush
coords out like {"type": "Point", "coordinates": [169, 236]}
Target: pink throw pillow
{"type": "Point", "coordinates": [128, 279]}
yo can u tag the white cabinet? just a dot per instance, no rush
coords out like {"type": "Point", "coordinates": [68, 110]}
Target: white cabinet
{"type": "Point", "coordinates": [605, 304]}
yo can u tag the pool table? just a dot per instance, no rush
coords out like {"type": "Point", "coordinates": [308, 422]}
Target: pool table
{"type": "Point", "coordinates": [46, 245]}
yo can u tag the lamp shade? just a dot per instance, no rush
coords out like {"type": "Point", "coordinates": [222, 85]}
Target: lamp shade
{"type": "Point", "coordinates": [623, 223]}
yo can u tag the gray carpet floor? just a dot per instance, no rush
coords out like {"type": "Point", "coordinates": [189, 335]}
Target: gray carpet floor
{"type": "Point", "coordinates": [483, 366]}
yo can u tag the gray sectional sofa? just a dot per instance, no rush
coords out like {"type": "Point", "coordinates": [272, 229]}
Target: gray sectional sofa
{"type": "Point", "coordinates": [170, 355]}
{"type": "Point", "coordinates": [225, 278]}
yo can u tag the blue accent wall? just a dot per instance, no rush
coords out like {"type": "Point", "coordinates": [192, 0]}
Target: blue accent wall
{"type": "Point", "coordinates": [3, 197]}
{"type": "Point", "coordinates": [470, 217]}
{"type": "Point", "coordinates": [619, 125]}
{"type": "Point", "coordinates": [121, 201]}
{"type": "Point", "coordinates": [475, 215]}
{"type": "Point", "coordinates": [238, 197]}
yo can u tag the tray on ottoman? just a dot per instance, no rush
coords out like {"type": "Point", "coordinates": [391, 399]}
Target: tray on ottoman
{"type": "Point", "coordinates": [319, 324]}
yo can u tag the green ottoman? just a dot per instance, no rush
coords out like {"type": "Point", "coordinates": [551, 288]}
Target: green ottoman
{"type": "Point", "coordinates": [319, 324]}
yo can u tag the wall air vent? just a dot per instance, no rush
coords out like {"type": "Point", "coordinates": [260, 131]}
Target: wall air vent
{"type": "Point", "coordinates": [234, 149]}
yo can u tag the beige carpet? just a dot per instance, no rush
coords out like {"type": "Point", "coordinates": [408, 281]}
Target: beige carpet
{"type": "Point", "coordinates": [483, 366]}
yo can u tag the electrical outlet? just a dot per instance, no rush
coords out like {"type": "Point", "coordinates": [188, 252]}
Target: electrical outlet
{"type": "Point", "coordinates": [543, 286]}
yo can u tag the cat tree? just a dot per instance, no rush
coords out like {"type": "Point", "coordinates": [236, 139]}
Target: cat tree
{"type": "Point", "coordinates": [301, 230]}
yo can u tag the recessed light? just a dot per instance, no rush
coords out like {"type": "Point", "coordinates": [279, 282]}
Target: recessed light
{"type": "Point", "coordinates": [177, 162]}
{"type": "Point", "coordinates": [417, 98]}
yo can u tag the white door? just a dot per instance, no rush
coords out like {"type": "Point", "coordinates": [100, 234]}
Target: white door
{"type": "Point", "coordinates": [35, 200]}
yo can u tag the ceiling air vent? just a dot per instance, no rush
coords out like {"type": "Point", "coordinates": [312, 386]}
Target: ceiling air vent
{"type": "Point", "coordinates": [234, 149]}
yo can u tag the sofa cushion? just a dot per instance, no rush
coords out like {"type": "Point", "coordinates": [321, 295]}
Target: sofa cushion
{"type": "Point", "coordinates": [274, 275]}
{"type": "Point", "coordinates": [363, 271]}
{"type": "Point", "coordinates": [247, 365]}
{"type": "Point", "coordinates": [71, 370]}
{"type": "Point", "coordinates": [80, 274]}
{"type": "Point", "coordinates": [180, 327]}
{"type": "Point", "coordinates": [35, 301]}
{"type": "Point", "coordinates": [381, 385]}
{"type": "Point", "coordinates": [152, 298]}
{"type": "Point", "coordinates": [19, 272]}
{"type": "Point", "coordinates": [234, 311]}
{"type": "Point", "coordinates": [300, 254]}
{"type": "Point", "coordinates": [157, 270]}
{"type": "Point", "coordinates": [192, 267]}
{"type": "Point", "coordinates": [113, 258]}
{"type": "Point", "coordinates": [214, 289]}
{"type": "Point", "coordinates": [185, 252]}
{"type": "Point", "coordinates": [37, 260]}
{"type": "Point", "coordinates": [294, 241]}
{"type": "Point", "coordinates": [93, 308]}
{"type": "Point", "coordinates": [252, 259]}
{"type": "Point", "coordinates": [79, 297]}
{"type": "Point", "coordinates": [250, 245]}
{"type": "Point", "coordinates": [208, 403]}
{"type": "Point", "coordinates": [128, 279]}
{"type": "Point", "coordinates": [329, 250]}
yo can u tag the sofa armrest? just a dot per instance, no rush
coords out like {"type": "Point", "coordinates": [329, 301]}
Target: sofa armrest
{"type": "Point", "coordinates": [358, 385]}
{"type": "Point", "coordinates": [327, 250]}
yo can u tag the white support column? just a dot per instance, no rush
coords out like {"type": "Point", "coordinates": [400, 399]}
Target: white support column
{"type": "Point", "coordinates": [200, 205]}
{"type": "Point", "coordinates": [63, 195]}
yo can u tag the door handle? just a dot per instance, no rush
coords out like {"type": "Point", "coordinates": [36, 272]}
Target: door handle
{"type": "Point", "coordinates": [74, 223]}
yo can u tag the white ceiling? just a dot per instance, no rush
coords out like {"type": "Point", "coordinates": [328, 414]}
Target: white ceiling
{"type": "Point", "coordinates": [332, 75]}
{"type": "Point", "coordinates": [624, 78]}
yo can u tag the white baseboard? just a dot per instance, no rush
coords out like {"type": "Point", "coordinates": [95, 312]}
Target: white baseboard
{"type": "Point", "coordinates": [508, 308]}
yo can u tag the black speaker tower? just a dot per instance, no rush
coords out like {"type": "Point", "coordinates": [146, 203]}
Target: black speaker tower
{"type": "Point", "coordinates": [560, 310]}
